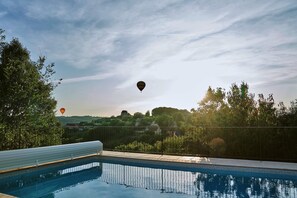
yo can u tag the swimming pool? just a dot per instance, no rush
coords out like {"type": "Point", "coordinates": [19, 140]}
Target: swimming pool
{"type": "Point", "coordinates": [97, 177]}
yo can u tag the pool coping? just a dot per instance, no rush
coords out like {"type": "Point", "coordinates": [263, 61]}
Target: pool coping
{"type": "Point", "coordinates": [6, 196]}
{"type": "Point", "coordinates": [189, 161]}
{"type": "Point", "coordinates": [47, 163]}
{"type": "Point", "coordinates": [203, 161]}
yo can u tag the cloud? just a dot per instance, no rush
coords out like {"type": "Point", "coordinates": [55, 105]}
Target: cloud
{"type": "Point", "coordinates": [57, 10]}
{"type": "Point", "coordinates": [2, 14]}
{"type": "Point", "coordinates": [87, 78]}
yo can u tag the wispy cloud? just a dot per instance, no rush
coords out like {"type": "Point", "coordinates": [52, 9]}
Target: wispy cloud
{"type": "Point", "coordinates": [87, 78]}
{"type": "Point", "coordinates": [2, 13]}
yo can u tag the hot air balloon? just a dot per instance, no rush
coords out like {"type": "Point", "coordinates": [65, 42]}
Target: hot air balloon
{"type": "Point", "coordinates": [141, 85]}
{"type": "Point", "coordinates": [62, 110]}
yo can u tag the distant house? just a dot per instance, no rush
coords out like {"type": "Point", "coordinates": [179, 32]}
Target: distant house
{"type": "Point", "coordinates": [155, 128]}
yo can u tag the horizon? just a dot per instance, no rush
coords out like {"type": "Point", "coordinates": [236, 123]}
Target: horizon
{"type": "Point", "coordinates": [99, 116]}
{"type": "Point", "coordinates": [102, 49]}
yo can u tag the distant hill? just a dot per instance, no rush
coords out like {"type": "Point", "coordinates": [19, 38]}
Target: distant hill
{"type": "Point", "coordinates": [76, 119]}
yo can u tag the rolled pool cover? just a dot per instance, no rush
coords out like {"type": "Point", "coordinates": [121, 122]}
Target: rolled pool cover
{"type": "Point", "coordinates": [21, 158]}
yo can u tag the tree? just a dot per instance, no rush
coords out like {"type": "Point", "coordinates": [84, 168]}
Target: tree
{"type": "Point", "coordinates": [147, 114]}
{"type": "Point", "coordinates": [27, 106]}
{"type": "Point", "coordinates": [165, 121]}
{"type": "Point", "coordinates": [211, 108]}
{"type": "Point", "coordinates": [138, 115]}
{"type": "Point", "coordinates": [2, 38]}
{"type": "Point", "coordinates": [242, 105]}
{"type": "Point", "coordinates": [266, 111]}
{"type": "Point", "coordinates": [168, 111]}
{"type": "Point", "coordinates": [293, 113]}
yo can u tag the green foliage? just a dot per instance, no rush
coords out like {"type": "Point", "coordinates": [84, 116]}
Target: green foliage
{"type": "Point", "coordinates": [138, 115]}
{"type": "Point", "coordinates": [117, 122]}
{"type": "Point", "coordinates": [217, 146]}
{"type": "Point", "coordinates": [74, 135]}
{"type": "Point", "coordinates": [112, 136]}
{"type": "Point", "coordinates": [242, 106]}
{"type": "Point", "coordinates": [2, 40]}
{"type": "Point", "coordinates": [174, 145]}
{"type": "Point", "coordinates": [167, 111]}
{"type": "Point", "coordinates": [146, 121]}
{"type": "Point", "coordinates": [26, 104]}
{"type": "Point", "coordinates": [165, 121]}
{"type": "Point", "coordinates": [211, 108]}
{"type": "Point", "coordinates": [266, 111]}
{"type": "Point", "coordinates": [136, 146]}
{"type": "Point", "coordinates": [77, 119]}
{"type": "Point", "coordinates": [147, 114]}
{"type": "Point", "coordinates": [292, 114]}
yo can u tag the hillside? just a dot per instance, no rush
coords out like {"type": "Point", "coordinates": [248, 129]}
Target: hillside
{"type": "Point", "coordinates": [76, 119]}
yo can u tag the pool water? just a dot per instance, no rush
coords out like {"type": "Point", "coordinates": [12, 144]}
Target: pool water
{"type": "Point", "coordinates": [95, 177]}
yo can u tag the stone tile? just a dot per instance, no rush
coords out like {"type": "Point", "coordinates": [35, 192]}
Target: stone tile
{"type": "Point", "coordinates": [205, 160]}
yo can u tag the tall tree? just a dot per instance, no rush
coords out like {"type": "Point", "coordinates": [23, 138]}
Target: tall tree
{"type": "Point", "coordinates": [242, 105]}
{"type": "Point", "coordinates": [266, 111]}
{"type": "Point", "coordinates": [147, 114]}
{"type": "Point", "coordinates": [213, 109]}
{"type": "Point", "coordinates": [27, 106]}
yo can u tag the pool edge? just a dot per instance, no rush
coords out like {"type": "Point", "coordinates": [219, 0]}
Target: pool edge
{"type": "Point", "coordinates": [204, 161]}
{"type": "Point", "coordinates": [186, 161]}
{"type": "Point", "coordinates": [47, 163]}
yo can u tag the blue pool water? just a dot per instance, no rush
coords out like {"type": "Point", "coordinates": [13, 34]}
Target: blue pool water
{"type": "Point", "coordinates": [95, 177]}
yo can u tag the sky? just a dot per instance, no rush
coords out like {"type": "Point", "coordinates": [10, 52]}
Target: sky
{"type": "Point", "coordinates": [102, 48]}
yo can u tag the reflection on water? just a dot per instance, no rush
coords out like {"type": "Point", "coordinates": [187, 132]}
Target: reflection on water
{"type": "Point", "coordinates": [46, 181]}
{"type": "Point", "coordinates": [199, 183]}
{"type": "Point", "coordinates": [212, 184]}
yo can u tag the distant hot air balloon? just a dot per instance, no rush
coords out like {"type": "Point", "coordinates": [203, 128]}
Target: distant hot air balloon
{"type": "Point", "coordinates": [62, 110]}
{"type": "Point", "coordinates": [141, 85]}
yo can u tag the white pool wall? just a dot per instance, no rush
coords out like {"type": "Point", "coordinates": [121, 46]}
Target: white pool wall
{"type": "Point", "coordinates": [15, 159]}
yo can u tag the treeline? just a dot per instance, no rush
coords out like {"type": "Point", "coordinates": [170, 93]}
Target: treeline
{"type": "Point", "coordinates": [232, 123]}
{"type": "Point", "coordinates": [76, 119]}
{"type": "Point", "coordinates": [117, 130]}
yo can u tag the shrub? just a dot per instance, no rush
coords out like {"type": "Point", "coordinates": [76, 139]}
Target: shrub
{"type": "Point", "coordinates": [217, 146]}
